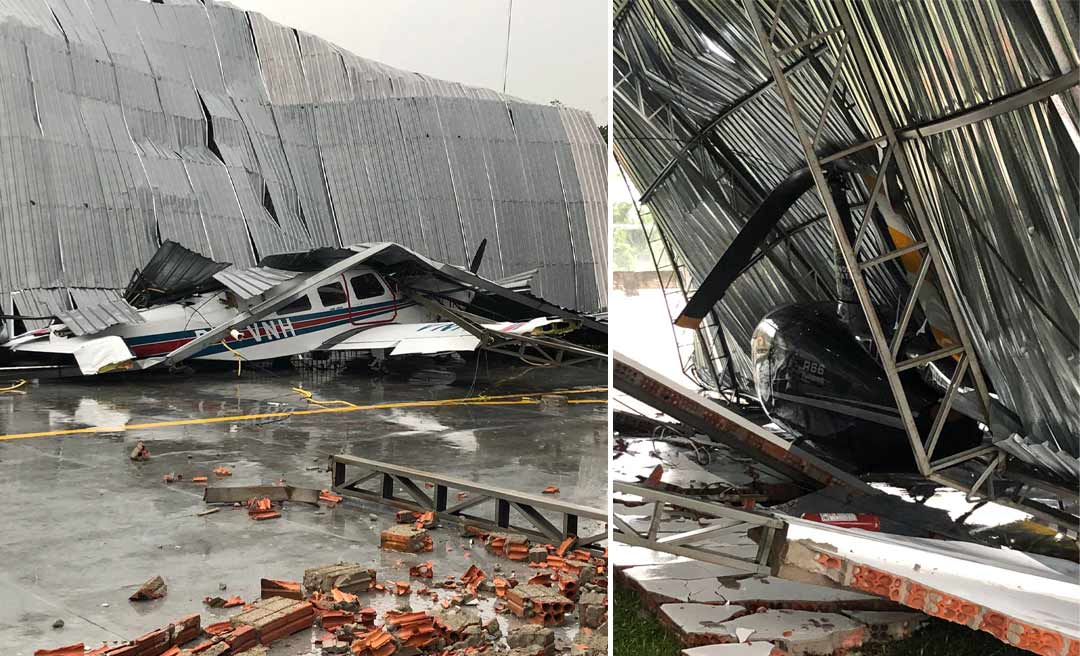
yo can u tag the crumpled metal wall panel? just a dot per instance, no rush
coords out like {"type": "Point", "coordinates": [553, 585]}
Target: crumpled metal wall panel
{"type": "Point", "coordinates": [125, 123]}
{"type": "Point", "coordinates": [1002, 195]}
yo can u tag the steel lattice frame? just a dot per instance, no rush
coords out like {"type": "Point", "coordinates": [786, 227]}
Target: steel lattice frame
{"type": "Point", "coordinates": [843, 39]}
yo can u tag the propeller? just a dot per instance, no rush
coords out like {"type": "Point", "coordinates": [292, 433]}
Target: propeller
{"type": "Point", "coordinates": [741, 250]}
{"type": "Point", "coordinates": [478, 257]}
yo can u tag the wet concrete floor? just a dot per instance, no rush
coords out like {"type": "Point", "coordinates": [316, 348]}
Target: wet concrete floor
{"type": "Point", "coordinates": [81, 526]}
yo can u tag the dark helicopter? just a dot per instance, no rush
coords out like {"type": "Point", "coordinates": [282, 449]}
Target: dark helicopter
{"type": "Point", "coordinates": [815, 372]}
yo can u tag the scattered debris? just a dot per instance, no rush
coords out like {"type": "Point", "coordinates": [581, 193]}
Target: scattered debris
{"type": "Point", "coordinates": [199, 480]}
{"type": "Point", "coordinates": [210, 511]}
{"type": "Point", "coordinates": [76, 649]}
{"type": "Point", "coordinates": [223, 471]}
{"type": "Point", "coordinates": [155, 588]}
{"type": "Point", "coordinates": [538, 604]}
{"type": "Point", "coordinates": [343, 577]}
{"type": "Point", "coordinates": [532, 636]}
{"type": "Point", "coordinates": [262, 509]}
{"type": "Point", "coordinates": [407, 538]}
{"type": "Point", "coordinates": [58, 624]}
{"type": "Point", "coordinates": [275, 618]}
{"type": "Point", "coordinates": [140, 452]}
{"type": "Point", "coordinates": [279, 588]}
{"type": "Point", "coordinates": [172, 477]}
{"type": "Point", "coordinates": [551, 489]}
{"type": "Point", "coordinates": [221, 602]}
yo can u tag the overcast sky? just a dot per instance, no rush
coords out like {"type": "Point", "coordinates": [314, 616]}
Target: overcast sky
{"type": "Point", "coordinates": [558, 48]}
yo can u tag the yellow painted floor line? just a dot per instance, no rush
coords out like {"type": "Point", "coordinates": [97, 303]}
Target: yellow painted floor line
{"type": "Point", "coordinates": [502, 399]}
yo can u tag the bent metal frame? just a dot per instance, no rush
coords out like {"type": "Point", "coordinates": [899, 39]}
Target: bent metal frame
{"type": "Point", "coordinates": [351, 473]}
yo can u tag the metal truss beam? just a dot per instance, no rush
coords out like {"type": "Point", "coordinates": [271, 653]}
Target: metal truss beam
{"type": "Point", "coordinates": [694, 543]}
{"type": "Point", "coordinates": [547, 519]}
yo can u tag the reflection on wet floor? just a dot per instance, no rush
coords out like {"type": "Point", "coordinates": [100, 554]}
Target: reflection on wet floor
{"type": "Point", "coordinates": [82, 521]}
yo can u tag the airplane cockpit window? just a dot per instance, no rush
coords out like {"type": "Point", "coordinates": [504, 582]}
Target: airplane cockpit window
{"type": "Point", "coordinates": [302, 304]}
{"type": "Point", "coordinates": [367, 286]}
{"type": "Point", "coordinates": [332, 294]}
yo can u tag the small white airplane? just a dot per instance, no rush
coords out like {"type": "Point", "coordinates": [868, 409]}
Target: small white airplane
{"type": "Point", "coordinates": [382, 298]}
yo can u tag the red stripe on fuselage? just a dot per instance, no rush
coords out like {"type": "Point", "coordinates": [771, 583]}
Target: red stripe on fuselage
{"type": "Point", "coordinates": [162, 348]}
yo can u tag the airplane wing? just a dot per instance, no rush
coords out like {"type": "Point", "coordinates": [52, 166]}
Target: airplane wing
{"type": "Point", "coordinates": [94, 355]}
{"type": "Point", "coordinates": [427, 338]}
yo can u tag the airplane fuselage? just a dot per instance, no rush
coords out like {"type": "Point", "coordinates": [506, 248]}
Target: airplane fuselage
{"type": "Point", "coordinates": [354, 301]}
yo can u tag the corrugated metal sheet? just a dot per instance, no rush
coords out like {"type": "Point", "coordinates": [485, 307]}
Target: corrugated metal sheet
{"type": "Point", "coordinates": [90, 319]}
{"type": "Point", "coordinates": [1003, 194]}
{"type": "Point", "coordinates": [249, 283]}
{"type": "Point", "coordinates": [125, 123]}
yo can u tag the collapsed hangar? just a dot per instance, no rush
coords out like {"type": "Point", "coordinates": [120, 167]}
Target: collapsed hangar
{"type": "Point", "coordinates": [127, 123]}
{"type": "Point", "coordinates": [956, 120]}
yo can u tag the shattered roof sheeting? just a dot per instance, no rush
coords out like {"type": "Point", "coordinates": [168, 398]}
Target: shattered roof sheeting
{"type": "Point", "coordinates": [249, 283]}
{"type": "Point", "coordinates": [1001, 193]}
{"type": "Point", "coordinates": [90, 319]}
{"type": "Point", "coordinates": [173, 272]}
{"type": "Point", "coordinates": [128, 123]}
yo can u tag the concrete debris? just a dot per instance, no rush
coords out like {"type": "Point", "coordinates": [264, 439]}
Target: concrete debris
{"type": "Point", "coordinates": [155, 588]}
{"type": "Point", "coordinates": [407, 538]}
{"type": "Point", "coordinates": [592, 609]}
{"type": "Point", "coordinates": [798, 632]}
{"type": "Point", "coordinates": [532, 636]}
{"type": "Point", "coordinates": [139, 453]}
{"type": "Point", "coordinates": [58, 624]}
{"type": "Point", "coordinates": [590, 643]}
{"type": "Point", "coordinates": [349, 578]}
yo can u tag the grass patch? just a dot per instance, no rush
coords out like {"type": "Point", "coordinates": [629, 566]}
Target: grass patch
{"type": "Point", "coordinates": [638, 633]}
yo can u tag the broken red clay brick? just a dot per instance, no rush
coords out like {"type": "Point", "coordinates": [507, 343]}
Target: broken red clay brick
{"type": "Point", "coordinates": [565, 546]}
{"type": "Point", "coordinates": [279, 588]}
{"type": "Point", "coordinates": [422, 571]}
{"type": "Point", "coordinates": [551, 489]}
{"type": "Point", "coordinates": [402, 588]}
{"type": "Point", "coordinates": [76, 649]}
{"type": "Point", "coordinates": [406, 538]}
{"type": "Point", "coordinates": [276, 618]}
{"type": "Point", "coordinates": [332, 619]}
{"type": "Point", "coordinates": [330, 498]}
{"type": "Point", "coordinates": [538, 604]}
{"type": "Point", "coordinates": [198, 479]}
{"type": "Point", "coordinates": [377, 642]}
{"type": "Point", "coordinates": [155, 588]}
{"type": "Point", "coordinates": [416, 630]}
{"type": "Point", "coordinates": [223, 471]}
{"type": "Point", "coordinates": [472, 578]}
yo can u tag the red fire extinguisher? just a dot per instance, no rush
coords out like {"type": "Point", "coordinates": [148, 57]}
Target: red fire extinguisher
{"type": "Point", "coordinates": [846, 520]}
